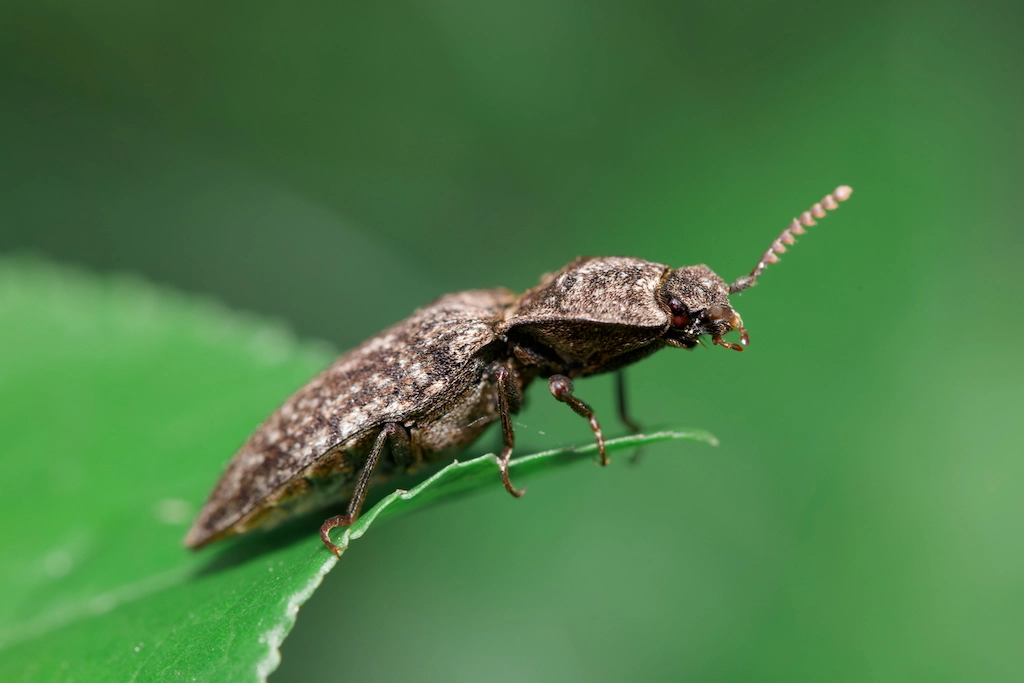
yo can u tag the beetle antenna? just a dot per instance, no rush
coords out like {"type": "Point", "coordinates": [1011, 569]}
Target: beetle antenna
{"type": "Point", "coordinates": [797, 227]}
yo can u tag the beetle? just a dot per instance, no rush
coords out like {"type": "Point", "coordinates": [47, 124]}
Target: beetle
{"type": "Point", "coordinates": [428, 386]}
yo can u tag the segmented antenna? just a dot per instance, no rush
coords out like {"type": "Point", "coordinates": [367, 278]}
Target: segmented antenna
{"type": "Point", "coordinates": [797, 227]}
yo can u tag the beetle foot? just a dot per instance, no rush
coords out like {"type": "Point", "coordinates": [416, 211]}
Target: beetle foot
{"type": "Point", "coordinates": [503, 466]}
{"type": "Point", "coordinates": [325, 532]}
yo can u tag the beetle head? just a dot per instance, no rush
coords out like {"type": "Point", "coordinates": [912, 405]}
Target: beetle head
{"type": "Point", "coordinates": [697, 301]}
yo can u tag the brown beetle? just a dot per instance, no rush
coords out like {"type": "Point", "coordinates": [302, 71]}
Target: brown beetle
{"type": "Point", "coordinates": [428, 386]}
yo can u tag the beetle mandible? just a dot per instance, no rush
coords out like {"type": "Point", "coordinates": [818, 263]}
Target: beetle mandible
{"type": "Point", "coordinates": [428, 386]}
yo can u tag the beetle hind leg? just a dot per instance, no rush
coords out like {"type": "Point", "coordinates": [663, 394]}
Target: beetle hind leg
{"type": "Point", "coordinates": [401, 451]}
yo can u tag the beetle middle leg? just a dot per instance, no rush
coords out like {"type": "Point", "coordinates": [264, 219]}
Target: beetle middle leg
{"type": "Point", "coordinates": [561, 388]}
{"type": "Point", "coordinates": [398, 437]}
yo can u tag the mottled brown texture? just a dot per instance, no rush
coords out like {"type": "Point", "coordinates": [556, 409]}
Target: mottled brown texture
{"type": "Point", "coordinates": [614, 290]}
{"type": "Point", "coordinates": [426, 373]}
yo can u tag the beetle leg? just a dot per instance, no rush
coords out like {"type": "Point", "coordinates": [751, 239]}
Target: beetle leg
{"type": "Point", "coordinates": [620, 391]}
{"type": "Point", "coordinates": [400, 449]}
{"type": "Point", "coordinates": [561, 388]}
{"type": "Point", "coordinates": [406, 458]}
{"type": "Point", "coordinates": [509, 399]}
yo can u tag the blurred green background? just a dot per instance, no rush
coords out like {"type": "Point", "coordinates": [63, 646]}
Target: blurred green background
{"type": "Point", "coordinates": [337, 164]}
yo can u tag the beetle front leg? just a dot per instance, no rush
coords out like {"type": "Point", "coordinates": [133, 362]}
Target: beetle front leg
{"type": "Point", "coordinates": [561, 388]}
{"type": "Point", "coordinates": [509, 399]}
{"type": "Point", "coordinates": [401, 451]}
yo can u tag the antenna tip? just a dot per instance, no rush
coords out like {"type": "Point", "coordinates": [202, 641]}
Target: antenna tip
{"type": "Point", "coordinates": [842, 193]}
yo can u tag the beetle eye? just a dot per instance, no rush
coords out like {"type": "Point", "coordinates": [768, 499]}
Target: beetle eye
{"type": "Point", "coordinates": [680, 316]}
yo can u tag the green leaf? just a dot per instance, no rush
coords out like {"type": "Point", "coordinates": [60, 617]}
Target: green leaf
{"type": "Point", "coordinates": [119, 405]}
